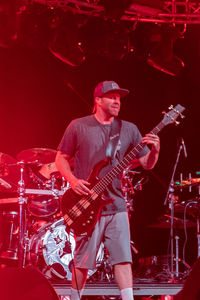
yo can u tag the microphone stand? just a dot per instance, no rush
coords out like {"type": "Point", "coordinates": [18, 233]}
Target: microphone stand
{"type": "Point", "coordinates": [22, 217]}
{"type": "Point", "coordinates": [170, 198]}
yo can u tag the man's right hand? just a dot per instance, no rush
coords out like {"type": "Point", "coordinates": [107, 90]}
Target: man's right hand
{"type": "Point", "coordinates": [80, 186]}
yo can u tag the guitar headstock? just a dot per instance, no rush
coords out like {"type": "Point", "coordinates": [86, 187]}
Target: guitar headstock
{"type": "Point", "coordinates": [172, 115]}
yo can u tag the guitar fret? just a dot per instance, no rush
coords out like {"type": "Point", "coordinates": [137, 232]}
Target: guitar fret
{"type": "Point", "coordinates": [70, 215]}
{"type": "Point", "coordinates": [85, 202]}
{"type": "Point", "coordinates": [76, 212]}
{"type": "Point", "coordinates": [80, 207]}
{"type": "Point", "coordinates": [68, 220]}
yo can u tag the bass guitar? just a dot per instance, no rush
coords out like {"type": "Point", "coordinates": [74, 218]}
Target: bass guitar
{"type": "Point", "coordinates": [82, 212]}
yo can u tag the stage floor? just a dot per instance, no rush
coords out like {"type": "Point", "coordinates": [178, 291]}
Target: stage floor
{"type": "Point", "coordinates": [110, 289]}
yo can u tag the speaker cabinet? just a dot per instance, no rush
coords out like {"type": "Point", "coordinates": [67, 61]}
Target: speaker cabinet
{"type": "Point", "coordinates": [25, 284]}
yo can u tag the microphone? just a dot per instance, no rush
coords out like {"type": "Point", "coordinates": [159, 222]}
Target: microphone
{"type": "Point", "coordinates": [181, 140]}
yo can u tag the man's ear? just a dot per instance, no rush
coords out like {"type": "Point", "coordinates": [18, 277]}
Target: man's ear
{"type": "Point", "coordinates": [98, 100]}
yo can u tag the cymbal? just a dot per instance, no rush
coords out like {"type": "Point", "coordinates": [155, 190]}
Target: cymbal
{"type": "Point", "coordinates": [7, 159]}
{"type": "Point", "coordinates": [164, 222]}
{"type": "Point", "coordinates": [40, 155]}
{"type": "Point", "coordinates": [6, 162]}
{"type": "Point", "coordinates": [9, 177]}
{"type": "Point", "coordinates": [192, 207]}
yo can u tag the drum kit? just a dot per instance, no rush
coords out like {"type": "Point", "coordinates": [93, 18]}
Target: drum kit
{"type": "Point", "coordinates": [181, 215]}
{"type": "Point", "coordinates": [32, 230]}
{"type": "Point", "coordinates": [30, 191]}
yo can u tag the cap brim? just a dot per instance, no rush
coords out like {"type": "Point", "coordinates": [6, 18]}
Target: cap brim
{"type": "Point", "coordinates": [122, 92]}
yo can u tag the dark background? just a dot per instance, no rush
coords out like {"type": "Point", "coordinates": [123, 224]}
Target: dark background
{"type": "Point", "coordinates": [40, 95]}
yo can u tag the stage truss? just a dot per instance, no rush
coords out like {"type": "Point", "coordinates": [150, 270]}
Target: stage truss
{"type": "Point", "coordinates": [157, 11]}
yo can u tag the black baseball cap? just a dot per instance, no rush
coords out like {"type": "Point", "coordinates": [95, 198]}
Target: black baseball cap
{"type": "Point", "coordinates": [106, 87]}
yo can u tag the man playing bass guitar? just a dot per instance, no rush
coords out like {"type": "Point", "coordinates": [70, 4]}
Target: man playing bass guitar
{"type": "Point", "coordinates": [89, 141]}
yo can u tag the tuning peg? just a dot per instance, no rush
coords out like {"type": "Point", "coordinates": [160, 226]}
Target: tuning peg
{"type": "Point", "coordinates": [182, 116]}
{"type": "Point", "coordinates": [177, 123]}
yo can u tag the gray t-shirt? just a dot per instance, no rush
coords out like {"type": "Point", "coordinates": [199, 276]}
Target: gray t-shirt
{"type": "Point", "coordinates": [86, 140]}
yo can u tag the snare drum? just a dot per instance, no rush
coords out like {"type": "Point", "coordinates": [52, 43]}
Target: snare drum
{"type": "Point", "coordinates": [52, 250]}
{"type": "Point", "coordinates": [45, 179]}
{"type": "Point", "coordinates": [43, 206]}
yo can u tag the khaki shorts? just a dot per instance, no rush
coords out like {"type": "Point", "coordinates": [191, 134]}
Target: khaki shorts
{"type": "Point", "coordinates": [114, 232]}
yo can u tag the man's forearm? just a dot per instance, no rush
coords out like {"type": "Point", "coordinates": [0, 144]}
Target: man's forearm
{"type": "Point", "coordinates": [149, 160]}
{"type": "Point", "coordinates": [63, 167]}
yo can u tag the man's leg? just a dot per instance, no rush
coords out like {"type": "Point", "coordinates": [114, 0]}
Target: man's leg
{"type": "Point", "coordinates": [79, 277]}
{"type": "Point", "coordinates": [124, 279]}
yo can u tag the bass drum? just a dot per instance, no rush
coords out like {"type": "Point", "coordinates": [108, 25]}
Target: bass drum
{"type": "Point", "coordinates": [51, 249]}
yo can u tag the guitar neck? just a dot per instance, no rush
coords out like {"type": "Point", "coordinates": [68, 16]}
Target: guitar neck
{"type": "Point", "coordinates": [115, 171]}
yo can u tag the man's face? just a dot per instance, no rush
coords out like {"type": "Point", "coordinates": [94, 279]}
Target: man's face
{"type": "Point", "coordinates": [110, 103]}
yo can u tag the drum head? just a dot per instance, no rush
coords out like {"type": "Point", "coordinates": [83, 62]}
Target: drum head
{"type": "Point", "coordinates": [58, 249]}
{"type": "Point", "coordinates": [56, 246]}
{"type": "Point", "coordinates": [43, 206]}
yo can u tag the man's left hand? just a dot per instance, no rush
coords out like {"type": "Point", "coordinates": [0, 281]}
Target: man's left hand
{"type": "Point", "coordinates": [152, 139]}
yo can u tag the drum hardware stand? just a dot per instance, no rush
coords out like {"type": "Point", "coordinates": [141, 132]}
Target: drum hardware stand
{"type": "Point", "coordinates": [22, 217]}
{"type": "Point", "coordinates": [170, 198]}
{"type": "Point", "coordinates": [198, 238]}
{"type": "Point", "coordinates": [133, 248]}
{"type": "Point", "coordinates": [197, 218]}
{"type": "Point", "coordinates": [198, 235]}
{"type": "Point", "coordinates": [198, 231]}
{"type": "Point", "coordinates": [127, 188]}
{"type": "Point", "coordinates": [105, 269]}
{"type": "Point", "coordinates": [177, 257]}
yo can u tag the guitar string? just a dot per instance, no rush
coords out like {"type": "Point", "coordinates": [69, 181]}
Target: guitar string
{"type": "Point", "coordinates": [74, 211]}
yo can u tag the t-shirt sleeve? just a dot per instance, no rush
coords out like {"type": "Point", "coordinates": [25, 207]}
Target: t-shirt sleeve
{"type": "Point", "coordinates": [68, 143]}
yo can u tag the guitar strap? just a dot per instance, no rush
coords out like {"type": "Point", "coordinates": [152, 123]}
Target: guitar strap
{"type": "Point", "coordinates": [113, 138]}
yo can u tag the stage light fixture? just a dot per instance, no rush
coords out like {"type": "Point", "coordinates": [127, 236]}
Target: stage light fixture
{"type": "Point", "coordinates": [106, 38]}
{"type": "Point", "coordinates": [66, 47]}
{"type": "Point", "coordinates": [161, 55]}
{"type": "Point", "coordinates": [8, 24]}
{"type": "Point", "coordinates": [66, 43]}
{"type": "Point", "coordinates": [155, 43]}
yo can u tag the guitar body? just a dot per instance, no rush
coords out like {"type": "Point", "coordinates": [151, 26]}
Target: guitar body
{"type": "Point", "coordinates": [82, 212]}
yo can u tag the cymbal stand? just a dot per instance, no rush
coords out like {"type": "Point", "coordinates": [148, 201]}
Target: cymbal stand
{"type": "Point", "coordinates": [197, 222]}
{"type": "Point", "coordinates": [198, 228]}
{"type": "Point", "coordinates": [170, 198]}
{"type": "Point", "coordinates": [128, 189]}
{"type": "Point", "coordinates": [22, 216]}
{"type": "Point", "coordinates": [177, 256]}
